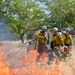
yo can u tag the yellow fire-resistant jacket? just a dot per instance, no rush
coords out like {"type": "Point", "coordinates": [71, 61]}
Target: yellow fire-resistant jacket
{"type": "Point", "coordinates": [68, 40]}
{"type": "Point", "coordinates": [41, 38]}
{"type": "Point", "coordinates": [57, 40]}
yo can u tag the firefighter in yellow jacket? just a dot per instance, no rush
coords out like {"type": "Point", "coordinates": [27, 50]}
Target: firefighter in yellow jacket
{"type": "Point", "coordinates": [42, 39]}
{"type": "Point", "coordinates": [57, 38]}
{"type": "Point", "coordinates": [68, 40]}
{"type": "Point", "coordinates": [57, 41]}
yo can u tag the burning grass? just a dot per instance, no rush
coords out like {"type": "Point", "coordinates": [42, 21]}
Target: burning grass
{"type": "Point", "coordinates": [34, 66]}
{"type": "Point", "coordinates": [4, 69]}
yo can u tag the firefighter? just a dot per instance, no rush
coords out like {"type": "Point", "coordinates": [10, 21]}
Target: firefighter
{"type": "Point", "coordinates": [68, 41]}
{"type": "Point", "coordinates": [42, 39]}
{"type": "Point", "coordinates": [57, 42]}
{"type": "Point", "coordinates": [57, 38]}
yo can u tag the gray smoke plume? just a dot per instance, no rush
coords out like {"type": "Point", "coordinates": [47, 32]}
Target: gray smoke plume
{"type": "Point", "coordinates": [4, 32]}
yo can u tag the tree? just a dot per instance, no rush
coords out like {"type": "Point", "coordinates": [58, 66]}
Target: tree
{"type": "Point", "coordinates": [24, 15]}
{"type": "Point", "coordinates": [62, 13]}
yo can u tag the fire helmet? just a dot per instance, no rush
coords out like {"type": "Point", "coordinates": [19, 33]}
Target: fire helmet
{"type": "Point", "coordinates": [55, 29]}
{"type": "Point", "coordinates": [68, 29]}
{"type": "Point", "coordinates": [44, 28]}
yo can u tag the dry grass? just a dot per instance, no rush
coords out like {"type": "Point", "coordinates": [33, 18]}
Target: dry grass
{"type": "Point", "coordinates": [15, 52]}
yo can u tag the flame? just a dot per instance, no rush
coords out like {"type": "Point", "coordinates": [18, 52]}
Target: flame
{"type": "Point", "coordinates": [41, 67]}
{"type": "Point", "coordinates": [4, 69]}
{"type": "Point", "coordinates": [35, 64]}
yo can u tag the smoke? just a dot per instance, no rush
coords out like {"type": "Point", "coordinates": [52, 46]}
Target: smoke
{"type": "Point", "coordinates": [33, 63]}
{"type": "Point", "coordinates": [5, 34]}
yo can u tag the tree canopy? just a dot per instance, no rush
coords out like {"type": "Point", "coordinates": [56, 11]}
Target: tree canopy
{"type": "Point", "coordinates": [62, 13]}
{"type": "Point", "coordinates": [24, 15]}
{"type": "Point", "coordinates": [31, 15]}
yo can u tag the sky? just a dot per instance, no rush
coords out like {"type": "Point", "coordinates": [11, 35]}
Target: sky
{"type": "Point", "coordinates": [44, 6]}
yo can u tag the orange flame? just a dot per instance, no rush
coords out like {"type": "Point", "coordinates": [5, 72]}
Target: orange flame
{"type": "Point", "coordinates": [40, 68]}
{"type": "Point", "coordinates": [32, 66]}
{"type": "Point", "coordinates": [4, 69]}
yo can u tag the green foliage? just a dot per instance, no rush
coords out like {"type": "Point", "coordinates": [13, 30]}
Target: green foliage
{"type": "Point", "coordinates": [29, 16]}
{"type": "Point", "coordinates": [62, 13]}
{"type": "Point", "coordinates": [24, 15]}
